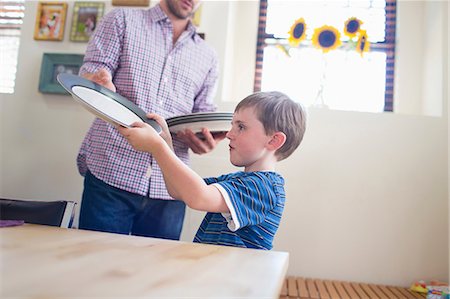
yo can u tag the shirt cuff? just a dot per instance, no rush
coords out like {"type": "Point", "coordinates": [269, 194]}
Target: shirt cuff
{"type": "Point", "coordinates": [232, 219]}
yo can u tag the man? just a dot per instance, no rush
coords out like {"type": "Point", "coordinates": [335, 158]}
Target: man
{"type": "Point", "coordinates": [156, 59]}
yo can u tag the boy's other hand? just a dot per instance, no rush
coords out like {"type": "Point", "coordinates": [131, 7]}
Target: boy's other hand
{"type": "Point", "coordinates": [204, 145]}
{"type": "Point", "coordinates": [102, 77]}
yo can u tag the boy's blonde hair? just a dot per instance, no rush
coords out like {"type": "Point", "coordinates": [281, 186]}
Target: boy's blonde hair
{"type": "Point", "coordinates": [278, 113]}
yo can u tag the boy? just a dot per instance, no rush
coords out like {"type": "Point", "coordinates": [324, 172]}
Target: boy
{"type": "Point", "coordinates": [244, 208]}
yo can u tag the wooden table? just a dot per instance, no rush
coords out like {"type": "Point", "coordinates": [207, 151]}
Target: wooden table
{"type": "Point", "coordinates": [50, 262]}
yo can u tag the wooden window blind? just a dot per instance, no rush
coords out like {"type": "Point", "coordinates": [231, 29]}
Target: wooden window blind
{"type": "Point", "coordinates": [11, 19]}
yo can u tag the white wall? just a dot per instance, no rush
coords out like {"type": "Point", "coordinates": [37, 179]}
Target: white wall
{"type": "Point", "coordinates": [419, 57]}
{"type": "Point", "coordinates": [367, 193]}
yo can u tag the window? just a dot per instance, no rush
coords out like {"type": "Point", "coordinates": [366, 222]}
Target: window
{"type": "Point", "coordinates": [11, 16]}
{"type": "Point", "coordinates": [344, 79]}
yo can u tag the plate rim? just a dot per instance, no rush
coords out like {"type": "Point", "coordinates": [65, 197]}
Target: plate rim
{"type": "Point", "coordinates": [179, 122]}
{"type": "Point", "coordinates": [68, 81]}
{"type": "Point", "coordinates": [201, 115]}
{"type": "Point", "coordinates": [171, 128]}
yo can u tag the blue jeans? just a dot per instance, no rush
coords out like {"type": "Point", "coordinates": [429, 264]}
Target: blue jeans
{"type": "Point", "coordinates": [110, 209]}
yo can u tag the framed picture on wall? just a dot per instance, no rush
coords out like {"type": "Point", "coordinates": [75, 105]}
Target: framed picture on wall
{"type": "Point", "coordinates": [130, 2]}
{"type": "Point", "coordinates": [54, 64]}
{"type": "Point", "coordinates": [50, 21]}
{"type": "Point", "coordinates": [86, 16]}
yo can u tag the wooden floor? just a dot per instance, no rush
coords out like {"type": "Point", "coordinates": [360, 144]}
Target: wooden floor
{"type": "Point", "coordinates": [306, 288]}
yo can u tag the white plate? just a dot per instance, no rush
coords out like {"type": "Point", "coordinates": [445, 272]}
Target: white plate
{"type": "Point", "coordinates": [104, 103]}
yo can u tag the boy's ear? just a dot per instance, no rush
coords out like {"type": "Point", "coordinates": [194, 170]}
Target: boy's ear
{"type": "Point", "coordinates": [277, 140]}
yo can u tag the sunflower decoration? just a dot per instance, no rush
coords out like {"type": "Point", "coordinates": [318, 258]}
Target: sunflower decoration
{"type": "Point", "coordinates": [352, 27]}
{"type": "Point", "coordinates": [326, 38]}
{"type": "Point", "coordinates": [297, 32]}
{"type": "Point", "coordinates": [363, 44]}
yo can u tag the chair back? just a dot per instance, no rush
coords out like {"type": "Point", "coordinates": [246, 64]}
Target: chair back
{"type": "Point", "coordinates": [54, 213]}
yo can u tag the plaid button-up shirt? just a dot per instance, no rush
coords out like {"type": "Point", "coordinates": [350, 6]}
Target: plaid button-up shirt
{"type": "Point", "coordinates": [136, 46]}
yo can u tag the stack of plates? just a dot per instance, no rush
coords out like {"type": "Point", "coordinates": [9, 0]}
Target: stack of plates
{"type": "Point", "coordinates": [215, 122]}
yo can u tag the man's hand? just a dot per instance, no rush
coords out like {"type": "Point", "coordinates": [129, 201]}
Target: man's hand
{"type": "Point", "coordinates": [204, 145]}
{"type": "Point", "coordinates": [102, 77]}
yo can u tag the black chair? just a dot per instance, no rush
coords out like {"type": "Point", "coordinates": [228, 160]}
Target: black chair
{"type": "Point", "coordinates": [54, 213]}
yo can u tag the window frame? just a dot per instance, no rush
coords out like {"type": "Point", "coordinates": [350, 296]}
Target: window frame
{"type": "Point", "coordinates": [388, 47]}
{"type": "Point", "coordinates": [10, 28]}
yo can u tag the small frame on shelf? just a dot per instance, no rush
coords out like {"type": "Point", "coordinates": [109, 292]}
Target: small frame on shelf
{"type": "Point", "coordinates": [50, 21]}
{"type": "Point", "coordinates": [86, 16]}
{"type": "Point", "coordinates": [130, 2]}
{"type": "Point", "coordinates": [54, 64]}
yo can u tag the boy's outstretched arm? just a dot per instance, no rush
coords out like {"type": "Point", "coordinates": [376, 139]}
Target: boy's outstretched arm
{"type": "Point", "coordinates": [185, 184]}
{"type": "Point", "coordinates": [181, 181]}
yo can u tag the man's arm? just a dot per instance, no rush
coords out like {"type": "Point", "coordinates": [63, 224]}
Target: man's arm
{"type": "Point", "coordinates": [104, 48]}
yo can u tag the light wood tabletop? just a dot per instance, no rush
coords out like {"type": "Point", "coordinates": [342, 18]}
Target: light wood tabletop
{"type": "Point", "coordinates": [50, 262]}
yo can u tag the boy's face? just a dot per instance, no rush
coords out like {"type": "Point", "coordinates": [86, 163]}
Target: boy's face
{"type": "Point", "coordinates": [248, 141]}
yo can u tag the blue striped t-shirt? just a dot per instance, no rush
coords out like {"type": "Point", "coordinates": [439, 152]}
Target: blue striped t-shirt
{"type": "Point", "coordinates": [256, 203]}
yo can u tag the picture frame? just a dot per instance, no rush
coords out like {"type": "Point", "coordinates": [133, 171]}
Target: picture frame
{"type": "Point", "coordinates": [130, 2]}
{"type": "Point", "coordinates": [54, 64]}
{"type": "Point", "coordinates": [85, 18]}
{"type": "Point", "coordinates": [50, 21]}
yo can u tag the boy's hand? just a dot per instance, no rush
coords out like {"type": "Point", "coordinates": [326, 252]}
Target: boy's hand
{"type": "Point", "coordinates": [165, 133]}
{"type": "Point", "coordinates": [102, 77]}
{"type": "Point", "coordinates": [141, 136]}
{"type": "Point", "coordinates": [204, 145]}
